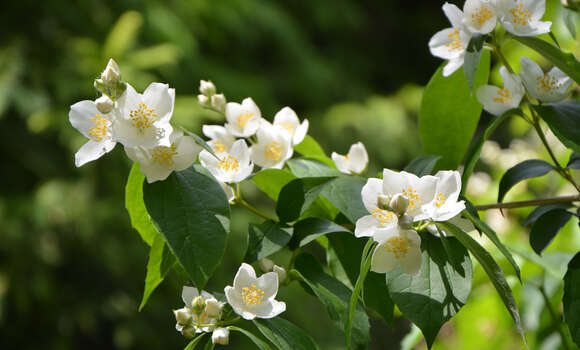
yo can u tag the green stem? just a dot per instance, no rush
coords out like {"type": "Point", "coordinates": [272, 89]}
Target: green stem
{"type": "Point", "coordinates": [292, 259]}
{"type": "Point", "coordinates": [555, 318]}
{"type": "Point", "coordinates": [530, 203]}
{"type": "Point", "coordinates": [239, 200]}
{"type": "Point", "coordinates": [355, 293]}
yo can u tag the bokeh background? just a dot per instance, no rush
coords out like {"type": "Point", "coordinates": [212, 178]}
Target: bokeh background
{"type": "Point", "coordinates": [71, 266]}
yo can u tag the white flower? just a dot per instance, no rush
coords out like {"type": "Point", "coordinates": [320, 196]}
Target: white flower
{"type": "Point", "coordinates": [218, 101]}
{"type": "Point", "coordinates": [243, 120]}
{"type": "Point", "coordinates": [445, 205]}
{"type": "Point", "coordinates": [104, 104]}
{"type": "Point", "coordinates": [252, 297]}
{"type": "Point", "coordinates": [379, 218]}
{"type": "Point", "coordinates": [231, 167]}
{"type": "Point", "coordinates": [274, 147]}
{"type": "Point", "coordinates": [158, 162]}
{"type": "Point", "coordinates": [420, 191]}
{"type": "Point", "coordinates": [112, 73]}
{"type": "Point", "coordinates": [464, 224]}
{"type": "Point", "coordinates": [94, 125]}
{"type": "Point", "coordinates": [553, 86]}
{"type": "Point", "coordinates": [197, 320]}
{"type": "Point", "coordinates": [206, 88]}
{"type": "Point", "coordinates": [354, 162]}
{"type": "Point", "coordinates": [229, 191]}
{"type": "Point", "coordinates": [220, 336]}
{"type": "Point", "coordinates": [480, 16]}
{"type": "Point", "coordinates": [213, 307]}
{"type": "Point", "coordinates": [144, 118]}
{"type": "Point", "coordinates": [522, 17]}
{"type": "Point", "coordinates": [451, 43]}
{"type": "Point", "coordinates": [221, 139]}
{"type": "Point", "coordinates": [281, 272]}
{"type": "Point", "coordinates": [497, 100]}
{"type": "Point", "coordinates": [287, 119]}
{"type": "Point", "coordinates": [397, 247]}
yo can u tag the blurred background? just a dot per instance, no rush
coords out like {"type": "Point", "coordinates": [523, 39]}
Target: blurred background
{"type": "Point", "coordinates": [71, 266]}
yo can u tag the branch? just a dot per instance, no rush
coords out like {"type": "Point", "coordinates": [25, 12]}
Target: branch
{"type": "Point", "coordinates": [530, 203]}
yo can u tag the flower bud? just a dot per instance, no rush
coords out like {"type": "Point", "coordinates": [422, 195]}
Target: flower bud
{"type": "Point", "coordinates": [383, 202]}
{"type": "Point", "coordinates": [206, 88]}
{"type": "Point", "coordinates": [399, 204]}
{"type": "Point", "coordinates": [213, 308]}
{"type": "Point", "coordinates": [218, 102]}
{"type": "Point", "coordinates": [203, 100]}
{"type": "Point", "coordinates": [220, 336]}
{"type": "Point", "coordinates": [266, 265]}
{"type": "Point", "coordinates": [104, 104]}
{"type": "Point", "coordinates": [188, 332]}
{"type": "Point", "coordinates": [198, 305]}
{"type": "Point", "coordinates": [182, 316]}
{"type": "Point", "coordinates": [112, 73]}
{"type": "Point", "coordinates": [406, 222]}
{"type": "Point", "coordinates": [281, 273]}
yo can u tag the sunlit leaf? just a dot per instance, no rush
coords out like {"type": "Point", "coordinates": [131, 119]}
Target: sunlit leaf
{"type": "Point", "coordinates": [563, 118]}
{"type": "Point", "coordinates": [525, 170]}
{"type": "Point", "coordinates": [547, 227]}
{"type": "Point", "coordinates": [285, 335]}
{"type": "Point", "coordinates": [571, 298]}
{"type": "Point", "coordinates": [161, 261]}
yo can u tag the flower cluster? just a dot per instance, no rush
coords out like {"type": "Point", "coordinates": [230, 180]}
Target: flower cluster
{"type": "Point", "coordinates": [480, 17]}
{"type": "Point", "coordinates": [397, 201]}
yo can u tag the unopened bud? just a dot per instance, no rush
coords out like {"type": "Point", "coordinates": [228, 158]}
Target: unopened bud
{"type": "Point", "coordinates": [220, 336]}
{"type": "Point", "coordinates": [104, 104]}
{"type": "Point", "coordinates": [218, 102]}
{"type": "Point", "coordinates": [213, 308]}
{"type": "Point", "coordinates": [188, 332]}
{"type": "Point", "coordinates": [182, 316]}
{"type": "Point", "coordinates": [266, 265]}
{"type": "Point", "coordinates": [405, 222]}
{"type": "Point", "coordinates": [281, 273]}
{"type": "Point", "coordinates": [198, 305]}
{"type": "Point", "coordinates": [203, 100]}
{"type": "Point", "coordinates": [383, 202]}
{"type": "Point", "coordinates": [206, 88]}
{"type": "Point", "coordinates": [112, 73]}
{"type": "Point", "coordinates": [399, 204]}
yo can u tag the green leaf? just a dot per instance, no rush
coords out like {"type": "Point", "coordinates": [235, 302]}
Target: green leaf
{"type": "Point", "coordinates": [309, 148]}
{"type": "Point", "coordinates": [449, 114]}
{"type": "Point", "coordinates": [192, 212]}
{"type": "Point", "coordinates": [266, 239]}
{"type": "Point", "coordinates": [271, 181]}
{"type": "Point", "coordinates": [209, 345]}
{"type": "Point", "coordinates": [262, 345]}
{"type": "Point", "coordinates": [563, 60]}
{"type": "Point", "coordinates": [307, 230]}
{"type": "Point", "coordinates": [297, 196]}
{"type": "Point", "coordinates": [161, 261]}
{"type": "Point", "coordinates": [492, 269]}
{"type": "Point", "coordinates": [335, 296]}
{"type": "Point", "coordinates": [525, 170]}
{"type": "Point", "coordinates": [563, 118]}
{"type": "Point", "coordinates": [472, 56]}
{"type": "Point", "coordinates": [344, 193]}
{"type": "Point", "coordinates": [574, 162]}
{"type": "Point", "coordinates": [285, 335]}
{"type": "Point", "coordinates": [438, 291]}
{"type": "Point", "coordinates": [422, 165]}
{"type": "Point", "coordinates": [348, 250]}
{"type": "Point", "coordinates": [310, 168]}
{"type": "Point", "coordinates": [571, 298]}
{"type": "Point", "coordinates": [541, 210]}
{"type": "Point", "coordinates": [472, 156]}
{"type": "Point", "coordinates": [490, 233]}
{"type": "Point", "coordinates": [570, 20]}
{"type": "Point", "coordinates": [199, 141]}
{"type": "Point", "coordinates": [547, 227]}
{"type": "Point", "coordinates": [192, 344]}
{"type": "Point", "coordinates": [140, 219]}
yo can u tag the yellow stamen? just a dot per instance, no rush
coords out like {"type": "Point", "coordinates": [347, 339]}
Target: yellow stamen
{"type": "Point", "coordinates": [440, 200]}
{"type": "Point", "coordinates": [252, 295]}
{"type": "Point", "coordinates": [289, 127]}
{"type": "Point", "coordinates": [503, 96]}
{"type": "Point", "coordinates": [520, 15]}
{"type": "Point", "coordinates": [398, 246]}
{"type": "Point", "coordinates": [143, 117]}
{"type": "Point", "coordinates": [482, 15]}
{"type": "Point", "coordinates": [218, 147]}
{"type": "Point", "coordinates": [273, 151]}
{"type": "Point", "coordinates": [163, 154]}
{"type": "Point", "coordinates": [455, 43]}
{"type": "Point", "coordinates": [229, 163]}
{"type": "Point", "coordinates": [382, 216]}
{"type": "Point", "coordinates": [546, 83]}
{"type": "Point", "coordinates": [243, 118]}
{"type": "Point", "coordinates": [99, 129]}
{"type": "Point", "coordinates": [414, 198]}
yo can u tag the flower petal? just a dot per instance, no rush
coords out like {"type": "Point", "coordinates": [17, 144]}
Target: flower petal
{"type": "Point", "coordinates": [92, 150]}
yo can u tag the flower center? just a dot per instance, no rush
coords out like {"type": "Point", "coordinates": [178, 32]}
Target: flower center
{"type": "Point", "coordinates": [414, 198]}
{"type": "Point", "coordinates": [229, 163]}
{"type": "Point", "coordinates": [503, 96]}
{"type": "Point", "coordinates": [200, 319]}
{"type": "Point", "coordinates": [252, 295]}
{"type": "Point", "coordinates": [546, 83]}
{"type": "Point", "coordinates": [243, 118]}
{"type": "Point", "coordinates": [163, 154]}
{"type": "Point", "coordinates": [99, 128]}
{"type": "Point", "coordinates": [482, 15]}
{"type": "Point", "coordinates": [218, 147]}
{"type": "Point", "coordinates": [455, 39]}
{"type": "Point", "coordinates": [288, 126]}
{"type": "Point", "coordinates": [440, 200]}
{"type": "Point", "coordinates": [273, 151]}
{"type": "Point", "coordinates": [520, 15]}
{"type": "Point", "coordinates": [143, 117]}
{"type": "Point", "coordinates": [398, 246]}
{"type": "Point", "coordinates": [382, 216]}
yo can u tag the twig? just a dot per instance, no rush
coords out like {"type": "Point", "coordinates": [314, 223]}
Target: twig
{"type": "Point", "coordinates": [530, 203]}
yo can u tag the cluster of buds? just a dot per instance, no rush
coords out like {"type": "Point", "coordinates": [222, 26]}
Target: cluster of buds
{"type": "Point", "coordinates": [209, 99]}
{"type": "Point", "coordinates": [201, 313]}
{"type": "Point", "coordinates": [267, 265]}
{"type": "Point", "coordinates": [110, 83]}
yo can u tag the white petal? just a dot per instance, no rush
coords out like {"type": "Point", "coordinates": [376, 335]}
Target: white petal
{"type": "Point", "coordinates": [243, 173]}
{"type": "Point", "coordinates": [271, 309]}
{"type": "Point", "coordinates": [366, 226]}
{"type": "Point", "coordinates": [268, 283]}
{"type": "Point", "coordinates": [92, 150]}
{"type": "Point", "coordinates": [241, 152]}
{"type": "Point", "coordinates": [300, 132]}
{"type": "Point", "coordinates": [187, 295]}
{"type": "Point", "coordinates": [154, 171]}
{"type": "Point", "coordinates": [370, 193]}
{"type": "Point", "coordinates": [537, 8]}
{"type": "Point", "coordinates": [340, 162]}
{"type": "Point", "coordinates": [449, 184]}
{"type": "Point", "coordinates": [244, 277]}
{"type": "Point", "coordinates": [234, 298]}
{"type": "Point", "coordinates": [442, 45]}
{"type": "Point", "coordinates": [187, 150]}
{"type": "Point", "coordinates": [161, 98]}
{"type": "Point", "coordinates": [452, 66]}
{"type": "Point", "coordinates": [393, 182]}
{"type": "Point", "coordinates": [454, 14]}
{"type": "Point", "coordinates": [530, 73]}
{"type": "Point", "coordinates": [287, 116]}
{"type": "Point", "coordinates": [480, 16]}
{"type": "Point", "coordinates": [411, 263]}
{"type": "Point", "coordinates": [382, 260]}
{"type": "Point", "coordinates": [358, 158]}
{"type": "Point", "coordinates": [80, 116]}
{"type": "Point", "coordinates": [488, 95]}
